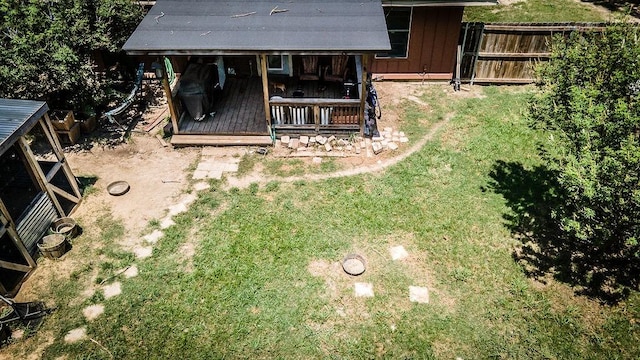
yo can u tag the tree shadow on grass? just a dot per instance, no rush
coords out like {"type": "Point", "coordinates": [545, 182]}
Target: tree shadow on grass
{"type": "Point", "coordinates": [625, 6]}
{"type": "Point", "coordinates": [534, 196]}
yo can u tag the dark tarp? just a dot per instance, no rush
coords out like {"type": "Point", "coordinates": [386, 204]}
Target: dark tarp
{"type": "Point", "coordinates": [196, 89]}
{"type": "Point", "coordinates": [197, 27]}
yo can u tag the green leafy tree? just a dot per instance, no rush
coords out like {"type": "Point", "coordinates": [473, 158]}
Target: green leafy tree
{"type": "Point", "coordinates": [47, 47]}
{"type": "Point", "coordinates": [589, 107]}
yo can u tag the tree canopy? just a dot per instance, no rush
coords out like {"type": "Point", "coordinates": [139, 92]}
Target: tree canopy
{"type": "Point", "coordinates": [47, 47]}
{"type": "Point", "coordinates": [589, 109]}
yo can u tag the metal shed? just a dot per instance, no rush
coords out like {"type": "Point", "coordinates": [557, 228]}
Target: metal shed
{"type": "Point", "coordinates": [36, 186]}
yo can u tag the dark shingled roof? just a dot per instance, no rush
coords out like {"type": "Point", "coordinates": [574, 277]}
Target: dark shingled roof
{"type": "Point", "coordinates": [194, 27]}
{"type": "Point", "coordinates": [17, 117]}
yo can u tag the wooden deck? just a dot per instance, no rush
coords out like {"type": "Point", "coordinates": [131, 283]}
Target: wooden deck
{"type": "Point", "coordinates": [239, 112]}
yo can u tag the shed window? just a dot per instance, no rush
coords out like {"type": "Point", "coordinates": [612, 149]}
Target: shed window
{"type": "Point", "coordinates": [398, 26]}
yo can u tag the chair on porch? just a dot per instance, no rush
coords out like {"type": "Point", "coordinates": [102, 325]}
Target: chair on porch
{"type": "Point", "coordinates": [309, 68]}
{"type": "Point", "coordinates": [337, 72]}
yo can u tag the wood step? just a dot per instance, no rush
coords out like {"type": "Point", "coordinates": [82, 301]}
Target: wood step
{"type": "Point", "coordinates": [221, 140]}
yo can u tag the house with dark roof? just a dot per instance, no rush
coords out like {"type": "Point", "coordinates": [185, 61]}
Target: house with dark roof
{"type": "Point", "coordinates": [250, 71]}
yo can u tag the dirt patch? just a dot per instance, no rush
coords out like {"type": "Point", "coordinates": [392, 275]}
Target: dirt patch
{"type": "Point", "coordinates": [156, 175]}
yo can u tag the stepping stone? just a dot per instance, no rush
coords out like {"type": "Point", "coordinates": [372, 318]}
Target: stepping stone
{"type": "Point", "coordinates": [207, 166]}
{"type": "Point", "coordinates": [112, 290]}
{"type": "Point", "coordinates": [364, 289]}
{"type": "Point", "coordinates": [92, 312]}
{"type": "Point", "coordinates": [154, 236]}
{"type": "Point", "coordinates": [199, 186]}
{"type": "Point", "coordinates": [166, 223]}
{"type": "Point", "coordinates": [419, 294]}
{"type": "Point", "coordinates": [132, 271]}
{"type": "Point", "coordinates": [188, 199]}
{"type": "Point", "coordinates": [317, 160]}
{"type": "Point", "coordinates": [177, 209]}
{"type": "Point", "coordinates": [229, 167]}
{"type": "Point", "coordinates": [76, 335]}
{"type": "Point", "coordinates": [214, 174]}
{"type": "Point", "coordinates": [199, 174]}
{"type": "Point", "coordinates": [398, 252]}
{"type": "Point", "coordinates": [17, 334]}
{"type": "Point", "coordinates": [143, 252]}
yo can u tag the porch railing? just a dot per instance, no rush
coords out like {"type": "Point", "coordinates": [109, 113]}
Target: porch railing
{"type": "Point", "coordinates": [315, 114]}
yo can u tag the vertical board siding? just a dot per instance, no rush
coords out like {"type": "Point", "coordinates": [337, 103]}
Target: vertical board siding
{"type": "Point", "coordinates": [35, 223]}
{"type": "Point", "coordinates": [432, 43]}
{"type": "Point", "coordinates": [510, 53]}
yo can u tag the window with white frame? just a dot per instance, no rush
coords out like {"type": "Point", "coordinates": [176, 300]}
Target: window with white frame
{"type": "Point", "coordinates": [398, 26]}
{"type": "Point", "coordinates": [275, 62]}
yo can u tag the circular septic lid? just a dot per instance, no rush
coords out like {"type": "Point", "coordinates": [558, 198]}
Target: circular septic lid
{"type": "Point", "coordinates": [118, 188]}
{"type": "Point", "coordinates": [353, 264]}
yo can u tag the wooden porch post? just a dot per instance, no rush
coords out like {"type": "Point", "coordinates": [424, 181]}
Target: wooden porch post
{"type": "Point", "coordinates": [265, 90]}
{"type": "Point", "coordinates": [169, 95]}
{"type": "Point", "coordinates": [363, 89]}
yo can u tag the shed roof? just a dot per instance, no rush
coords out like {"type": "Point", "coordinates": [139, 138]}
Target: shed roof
{"type": "Point", "coordinates": [17, 117]}
{"type": "Point", "coordinates": [197, 27]}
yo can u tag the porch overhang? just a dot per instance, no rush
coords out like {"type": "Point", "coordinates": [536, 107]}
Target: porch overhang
{"type": "Point", "coordinates": [231, 27]}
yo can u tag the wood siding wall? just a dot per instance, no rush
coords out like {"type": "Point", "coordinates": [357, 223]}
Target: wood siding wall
{"type": "Point", "coordinates": [432, 44]}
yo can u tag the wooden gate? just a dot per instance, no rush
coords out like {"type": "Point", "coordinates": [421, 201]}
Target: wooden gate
{"type": "Point", "coordinates": [508, 53]}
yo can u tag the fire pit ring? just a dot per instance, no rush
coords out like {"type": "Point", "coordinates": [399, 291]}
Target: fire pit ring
{"type": "Point", "coordinates": [354, 264]}
{"type": "Point", "coordinates": [118, 188]}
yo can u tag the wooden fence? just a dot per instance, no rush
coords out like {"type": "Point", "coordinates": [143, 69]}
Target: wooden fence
{"type": "Point", "coordinates": [508, 53]}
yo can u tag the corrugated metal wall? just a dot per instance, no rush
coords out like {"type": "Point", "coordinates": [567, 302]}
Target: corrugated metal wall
{"type": "Point", "coordinates": [35, 223]}
{"type": "Point", "coordinates": [432, 44]}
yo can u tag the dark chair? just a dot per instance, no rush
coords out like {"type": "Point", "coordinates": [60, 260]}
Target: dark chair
{"type": "Point", "coordinates": [309, 68]}
{"type": "Point", "coordinates": [337, 72]}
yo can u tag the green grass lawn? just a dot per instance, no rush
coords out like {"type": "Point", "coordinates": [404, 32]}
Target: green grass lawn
{"type": "Point", "coordinates": [537, 11]}
{"type": "Point", "coordinates": [262, 281]}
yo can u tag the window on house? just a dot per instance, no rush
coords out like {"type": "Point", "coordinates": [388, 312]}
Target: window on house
{"type": "Point", "coordinates": [398, 25]}
{"type": "Point", "coordinates": [275, 62]}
